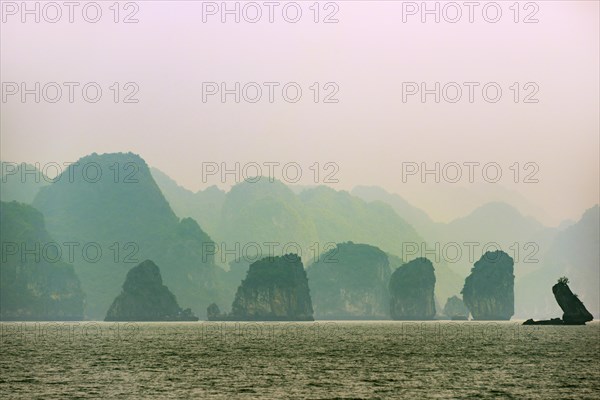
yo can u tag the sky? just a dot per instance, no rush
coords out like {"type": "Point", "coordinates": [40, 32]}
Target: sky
{"type": "Point", "coordinates": [360, 119]}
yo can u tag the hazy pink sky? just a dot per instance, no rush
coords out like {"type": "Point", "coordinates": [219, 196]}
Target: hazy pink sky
{"type": "Point", "coordinates": [369, 133]}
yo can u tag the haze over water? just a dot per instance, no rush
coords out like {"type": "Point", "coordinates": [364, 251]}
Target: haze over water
{"type": "Point", "coordinates": [370, 360]}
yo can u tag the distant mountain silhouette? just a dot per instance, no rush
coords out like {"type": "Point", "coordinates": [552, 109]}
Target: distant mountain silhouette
{"type": "Point", "coordinates": [315, 215]}
{"type": "Point", "coordinates": [339, 216]}
{"type": "Point", "coordinates": [265, 212]}
{"type": "Point", "coordinates": [503, 224]}
{"type": "Point", "coordinates": [271, 212]}
{"type": "Point", "coordinates": [447, 201]}
{"type": "Point", "coordinates": [204, 206]}
{"type": "Point", "coordinates": [502, 217]}
{"type": "Point", "coordinates": [494, 222]}
{"type": "Point", "coordinates": [413, 215]}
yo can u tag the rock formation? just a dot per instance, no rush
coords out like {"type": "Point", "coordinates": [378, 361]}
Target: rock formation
{"type": "Point", "coordinates": [489, 289]}
{"type": "Point", "coordinates": [350, 282]}
{"type": "Point", "coordinates": [455, 309]}
{"type": "Point", "coordinates": [275, 289]}
{"type": "Point", "coordinates": [574, 312]}
{"type": "Point", "coordinates": [411, 291]}
{"type": "Point", "coordinates": [36, 284]}
{"type": "Point", "coordinates": [145, 298]}
{"type": "Point", "coordinates": [213, 313]}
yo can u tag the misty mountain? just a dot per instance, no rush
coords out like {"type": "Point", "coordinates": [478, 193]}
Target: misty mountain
{"type": "Point", "coordinates": [264, 212]}
{"type": "Point", "coordinates": [116, 215]}
{"type": "Point", "coordinates": [500, 225]}
{"type": "Point", "coordinates": [413, 215]}
{"type": "Point", "coordinates": [317, 218]}
{"type": "Point", "coordinates": [190, 204]}
{"type": "Point", "coordinates": [341, 217]}
{"type": "Point", "coordinates": [447, 201]}
{"type": "Point", "coordinates": [462, 241]}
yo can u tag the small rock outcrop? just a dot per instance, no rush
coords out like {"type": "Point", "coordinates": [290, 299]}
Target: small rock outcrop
{"type": "Point", "coordinates": [213, 312]}
{"type": "Point", "coordinates": [552, 321]}
{"type": "Point", "coordinates": [455, 309]}
{"type": "Point", "coordinates": [574, 312]}
{"type": "Point", "coordinates": [145, 298]}
{"type": "Point", "coordinates": [489, 289]}
{"type": "Point", "coordinates": [411, 291]}
{"type": "Point", "coordinates": [275, 289]}
{"type": "Point", "coordinates": [351, 282]}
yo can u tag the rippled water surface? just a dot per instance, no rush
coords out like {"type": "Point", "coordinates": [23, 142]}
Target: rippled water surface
{"type": "Point", "coordinates": [299, 360]}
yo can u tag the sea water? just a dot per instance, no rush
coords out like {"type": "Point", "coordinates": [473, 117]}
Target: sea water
{"type": "Point", "coordinates": [317, 360]}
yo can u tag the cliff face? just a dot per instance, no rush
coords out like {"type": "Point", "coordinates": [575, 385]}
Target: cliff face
{"type": "Point", "coordinates": [145, 298]}
{"type": "Point", "coordinates": [351, 282]}
{"type": "Point", "coordinates": [275, 289]}
{"type": "Point", "coordinates": [35, 284]}
{"type": "Point", "coordinates": [272, 303]}
{"type": "Point", "coordinates": [455, 308]}
{"type": "Point", "coordinates": [574, 312]}
{"type": "Point", "coordinates": [411, 291]}
{"type": "Point", "coordinates": [489, 289]}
